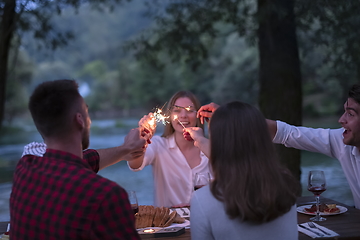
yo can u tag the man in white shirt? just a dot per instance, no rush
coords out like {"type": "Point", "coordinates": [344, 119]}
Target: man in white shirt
{"type": "Point", "coordinates": [342, 144]}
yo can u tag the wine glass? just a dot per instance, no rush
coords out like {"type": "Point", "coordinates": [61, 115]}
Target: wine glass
{"type": "Point", "coordinates": [201, 179]}
{"type": "Point", "coordinates": [133, 202]}
{"type": "Point", "coordinates": [317, 185]}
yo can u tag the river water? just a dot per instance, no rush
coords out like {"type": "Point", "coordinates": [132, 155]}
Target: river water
{"type": "Point", "coordinates": [141, 182]}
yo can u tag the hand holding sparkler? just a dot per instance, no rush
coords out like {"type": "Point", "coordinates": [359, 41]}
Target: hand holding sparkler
{"type": "Point", "coordinates": [135, 141]}
{"type": "Point", "coordinates": [149, 121]}
{"type": "Point", "coordinates": [206, 112]}
{"type": "Point", "coordinates": [200, 141]}
{"type": "Point", "coordinates": [186, 134]}
{"type": "Point", "coordinates": [193, 133]}
{"type": "Point", "coordinates": [148, 125]}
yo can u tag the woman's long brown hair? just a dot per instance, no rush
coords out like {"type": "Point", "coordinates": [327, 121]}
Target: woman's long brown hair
{"type": "Point", "coordinates": [248, 176]}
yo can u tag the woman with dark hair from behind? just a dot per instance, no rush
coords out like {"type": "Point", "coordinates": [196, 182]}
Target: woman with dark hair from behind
{"type": "Point", "coordinates": [252, 196]}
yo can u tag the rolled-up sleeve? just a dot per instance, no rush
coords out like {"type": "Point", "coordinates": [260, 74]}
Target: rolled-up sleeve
{"type": "Point", "coordinates": [319, 140]}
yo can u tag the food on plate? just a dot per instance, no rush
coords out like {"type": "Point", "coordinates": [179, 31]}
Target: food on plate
{"type": "Point", "coordinates": [325, 208]}
{"type": "Point", "coordinates": [170, 220]}
{"type": "Point", "coordinates": [150, 216]}
{"type": "Point", "coordinates": [179, 219]}
{"type": "Point", "coordinates": [312, 209]}
{"type": "Point", "coordinates": [332, 209]}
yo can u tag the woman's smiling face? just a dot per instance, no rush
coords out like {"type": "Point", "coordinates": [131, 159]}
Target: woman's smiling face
{"type": "Point", "coordinates": [184, 111]}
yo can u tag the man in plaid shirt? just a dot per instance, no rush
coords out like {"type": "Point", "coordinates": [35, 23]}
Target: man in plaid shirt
{"type": "Point", "coordinates": [60, 196]}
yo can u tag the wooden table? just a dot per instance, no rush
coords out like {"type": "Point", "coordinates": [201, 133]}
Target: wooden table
{"type": "Point", "coordinates": [346, 224]}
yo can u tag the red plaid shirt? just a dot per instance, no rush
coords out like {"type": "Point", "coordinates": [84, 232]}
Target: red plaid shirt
{"type": "Point", "coordinates": [60, 196]}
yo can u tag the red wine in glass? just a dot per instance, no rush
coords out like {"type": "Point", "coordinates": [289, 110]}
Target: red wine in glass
{"type": "Point", "coordinates": [317, 190]}
{"type": "Point", "coordinates": [317, 185]}
{"type": "Point", "coordinates": [201, 179]}
{"type": "Point", "coordinates": [133, 201]}
{"type": "Point", "coordinates": [135, 208]}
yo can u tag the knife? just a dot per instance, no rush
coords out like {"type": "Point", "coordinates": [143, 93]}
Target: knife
{"type": "Point", "coordinates": [309, 229]}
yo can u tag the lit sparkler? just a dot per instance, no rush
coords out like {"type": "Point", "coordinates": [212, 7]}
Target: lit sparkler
{"type": "Point", "coordinates": [188, 108]}
{"type": "Point", "coordinates": [176, 118]}
{"type": "Point", "coordinates": [152, 123]}
{"type": "Point", "coordinates": [160, 117]}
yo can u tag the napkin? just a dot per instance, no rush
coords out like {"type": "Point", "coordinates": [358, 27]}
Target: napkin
{"type": "Point", "coordinates": [181, 213]}
{"type": "Point", "coordinates": [320, 234]}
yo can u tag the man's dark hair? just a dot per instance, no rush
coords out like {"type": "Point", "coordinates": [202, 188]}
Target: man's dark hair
{"type": "Point", "coordinates": [51, 105]}
{"type": "Point", "coordinates": [354, 93]}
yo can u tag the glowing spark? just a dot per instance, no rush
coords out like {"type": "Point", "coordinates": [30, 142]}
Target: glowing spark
{"type": "Point", "coordinates": [152, 123]}
{"type": "Point", "coordinates": [176, 118]}
{"type": "Point", "coordinates": [160, 117]}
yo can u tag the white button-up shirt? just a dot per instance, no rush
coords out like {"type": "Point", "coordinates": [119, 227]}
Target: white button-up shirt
{"type": "Point", "coordinates": [328, 142]}
{"type": "Point", "coordinates": [173, 177]}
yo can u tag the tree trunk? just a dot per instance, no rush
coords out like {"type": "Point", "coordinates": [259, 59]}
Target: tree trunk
{"type": "Point", "coordinates": [280, 95]}
{"type": "Point", "coordinates": [7, 27]}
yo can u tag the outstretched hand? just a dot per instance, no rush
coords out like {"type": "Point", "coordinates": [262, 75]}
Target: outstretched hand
{"type": "Point", "coordinates": [193, 133]}
{"type": "Point", "coordinates": [200, 141]}
{"type": "Point", "coordinates": [147, 125]}
{"type": "Point", "coordinates": [205, 112]}
{"type": "Point", "coordinates": [136, 140]}
{"type": "Point", "coordinates": [187, 135]}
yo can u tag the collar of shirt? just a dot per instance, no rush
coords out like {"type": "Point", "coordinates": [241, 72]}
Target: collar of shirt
{"type": "Point", "coordinates": [66, 156]}
{"type": "Point", "coordinates": [355, 152]}
{"type": "Point", "coordinates": [172, 144]}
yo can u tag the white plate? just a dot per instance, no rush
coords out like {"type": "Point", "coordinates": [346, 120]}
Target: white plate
{"type": "Point", "coordinates": [185, 224]}
{"type": "Point", "coordinates": [301, 209]}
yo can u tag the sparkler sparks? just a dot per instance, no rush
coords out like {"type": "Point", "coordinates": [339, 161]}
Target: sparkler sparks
{"type": "Point", "coordinates": [176, 118]}
{"type": "Point", "coordinates": [160, 117]}
{"type": "Point", "coordinates": [188, 108]}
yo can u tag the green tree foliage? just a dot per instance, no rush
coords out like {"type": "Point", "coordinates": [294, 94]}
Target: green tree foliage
{"type": "Point", "coordinates": [146, 85]}
{"type": "Point", "coordinates": [7, 28]}
{"type": "Point", "coordinates": [231, 66]}
{"type": "Point", "coordinates": [331, 50]}
{"type": "Point", "coordinates": [34, 16]}
{"type": "Point", "coordinates": [236, 71]}
{"type": "Point", "coordinates": [188, 30]}
{"type": "Point", "coordinates": [96, 73]}
{"type": "Point", "coordinates": [192, 25]}
{"type": "Point", "coordinates": [17, 90]}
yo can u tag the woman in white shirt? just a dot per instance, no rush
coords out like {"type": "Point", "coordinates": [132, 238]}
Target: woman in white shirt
{"type": "Point", "coordinates": [252, 196]}
{"type": "Point", "coordinates": [174, 159]}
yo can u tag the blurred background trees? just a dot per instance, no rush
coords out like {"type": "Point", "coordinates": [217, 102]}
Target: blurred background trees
{"type": "Point", "coordinates": [134, 57]}
{"type": "Point", "coordinates": [35, 18]}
